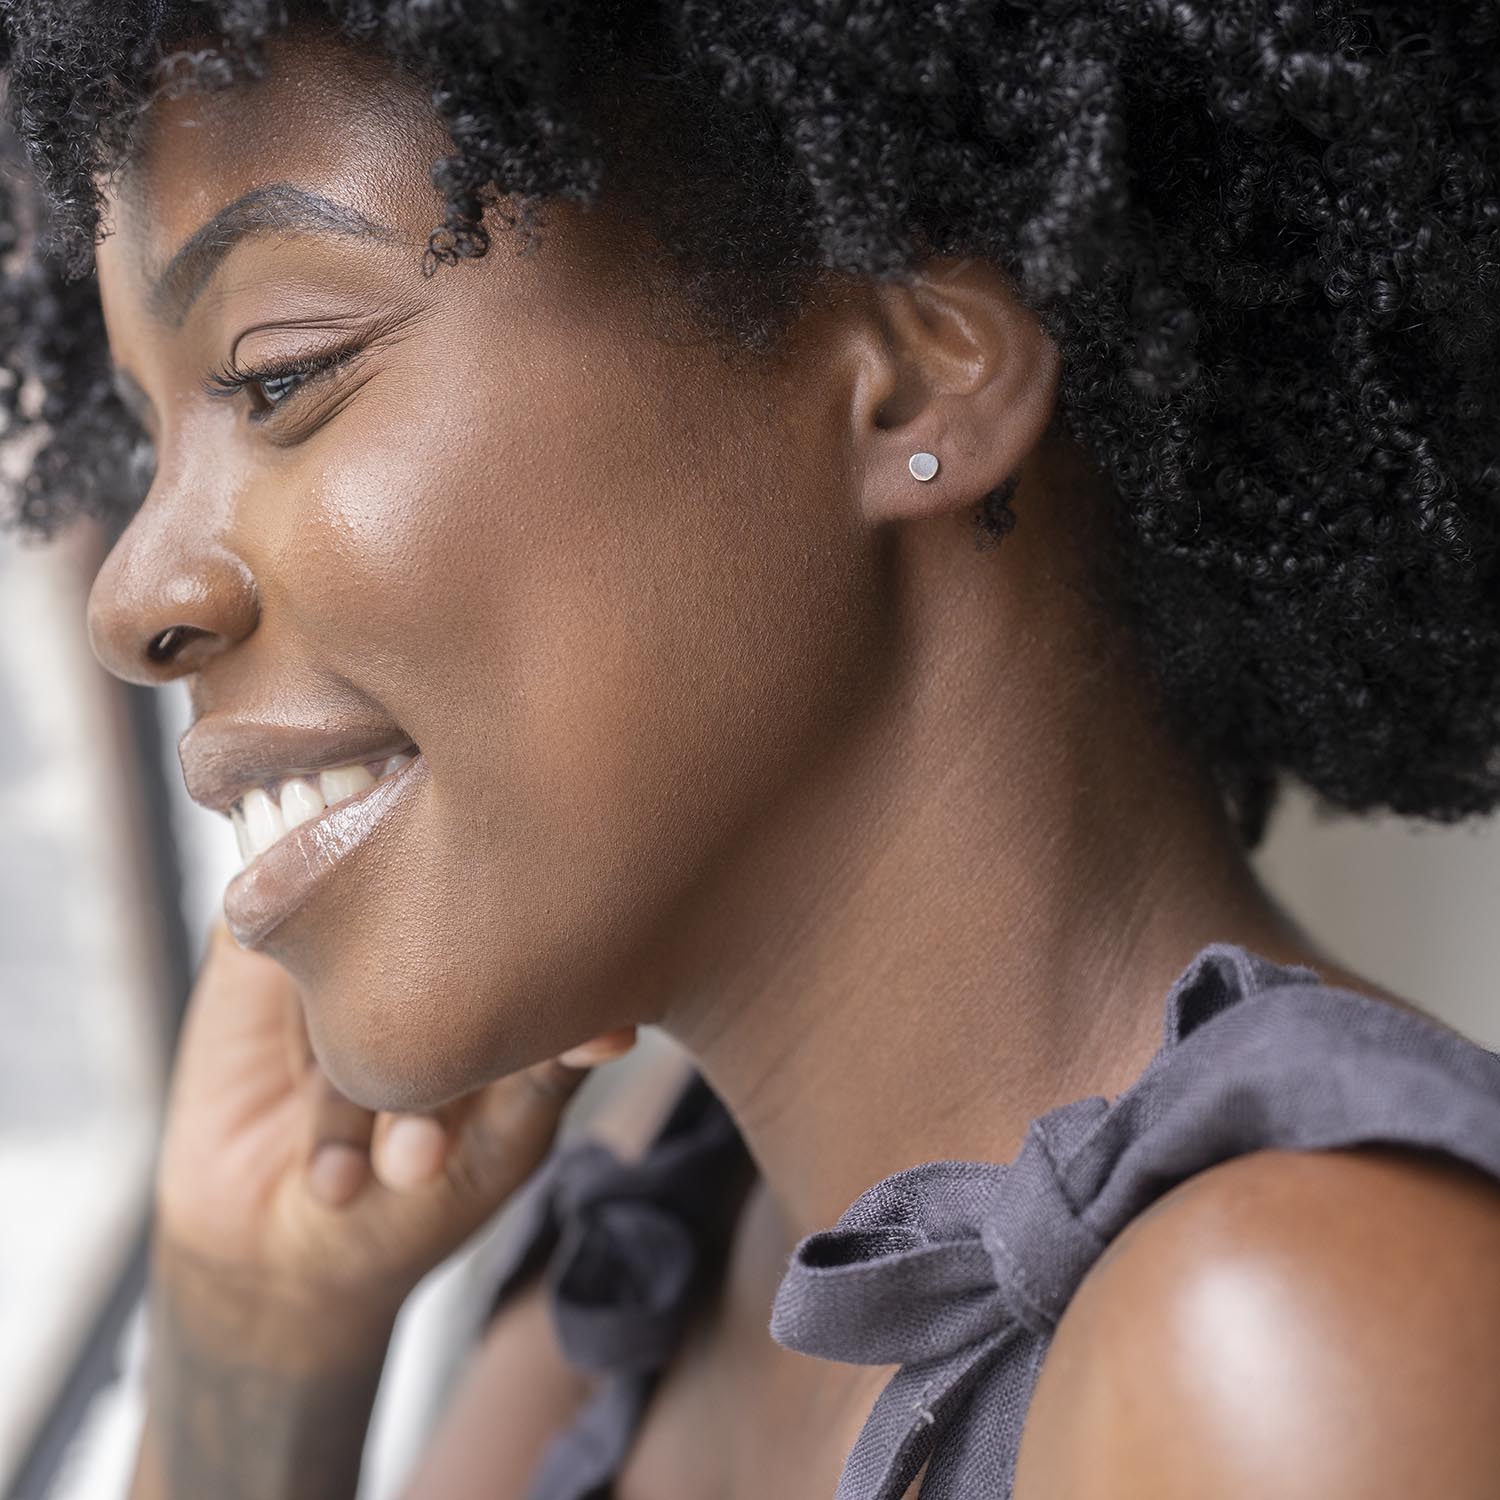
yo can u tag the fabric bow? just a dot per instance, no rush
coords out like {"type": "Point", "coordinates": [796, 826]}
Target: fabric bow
{"type": "Point", "coordinates": [958, 1272]}
{"type": "Point", "coordinates": [628, 1247]}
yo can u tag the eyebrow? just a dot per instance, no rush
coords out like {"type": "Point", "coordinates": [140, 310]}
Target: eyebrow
{"type": "Point", "coordinates": [278, 208]}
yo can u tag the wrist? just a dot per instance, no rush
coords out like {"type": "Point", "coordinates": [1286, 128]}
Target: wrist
{"type": "Point", "coordinates": [257, 1387]}
{"type": "Point", "coordinates": [263, 1320]}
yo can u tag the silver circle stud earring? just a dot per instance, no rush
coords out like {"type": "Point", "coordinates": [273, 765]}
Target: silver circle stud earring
{"type": "Point", "coordinates": [922, 465]}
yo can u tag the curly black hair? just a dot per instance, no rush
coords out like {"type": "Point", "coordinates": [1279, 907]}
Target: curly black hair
{"type": "Point", "coordinates": [1265, 235]}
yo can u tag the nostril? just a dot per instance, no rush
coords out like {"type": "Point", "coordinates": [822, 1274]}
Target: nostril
{"type": "Point", "coordinates": [165, 644]}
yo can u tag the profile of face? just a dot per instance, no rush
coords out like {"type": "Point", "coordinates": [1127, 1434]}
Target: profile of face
{"type": "Point", "coordinates": [620, 602]}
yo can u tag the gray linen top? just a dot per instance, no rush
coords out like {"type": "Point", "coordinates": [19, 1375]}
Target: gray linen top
{"type": "Point", "coordinates": [957, 1271]}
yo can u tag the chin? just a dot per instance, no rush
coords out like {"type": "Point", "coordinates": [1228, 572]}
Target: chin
{"type": "Point", "coordinates": [388, 1042]}
{"type": "Point", "coordinates": [381, 1077]}
{"type": "Point", "coordinates": [417, 993]}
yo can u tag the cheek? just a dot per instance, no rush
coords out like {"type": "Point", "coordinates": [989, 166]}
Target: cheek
{"type": "Point", "coordinates": [616, 633]}
{"type": "Point", "coordinates": [600, 584]}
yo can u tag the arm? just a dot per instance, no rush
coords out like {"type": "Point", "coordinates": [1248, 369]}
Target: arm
{"type": "Point", "coordinates": [251, 1394]}
{"type": "Point", "coordinates": [284, 1244]}
{"type": "Point", "coordinates": [518, 1369]}
{"type": "Point", "coordinates": [1315, 1325]}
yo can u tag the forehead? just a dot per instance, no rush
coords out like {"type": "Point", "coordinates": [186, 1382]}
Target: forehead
{"type": "Point", "coordinates": [337, 120]}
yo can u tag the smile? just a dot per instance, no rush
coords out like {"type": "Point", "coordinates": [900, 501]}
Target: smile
{"type": "Point", "coordinates": [267, 813]}
{"type": "Point", "coordinates": [292, 862]}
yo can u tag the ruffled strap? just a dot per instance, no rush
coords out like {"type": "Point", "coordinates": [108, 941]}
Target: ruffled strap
{"type": "Point", "coordinates": [958, 1272]}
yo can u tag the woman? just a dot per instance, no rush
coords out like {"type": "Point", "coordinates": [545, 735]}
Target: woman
{"type": "Point", "coordinates": [614, 633]}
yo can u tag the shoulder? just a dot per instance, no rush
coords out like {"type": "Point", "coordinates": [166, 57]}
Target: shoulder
{"type": "Point", "coordinates": [1297, 1323]}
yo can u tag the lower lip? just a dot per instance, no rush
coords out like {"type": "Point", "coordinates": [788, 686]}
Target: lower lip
{"type": "Point", "coordinates": [281, 878]}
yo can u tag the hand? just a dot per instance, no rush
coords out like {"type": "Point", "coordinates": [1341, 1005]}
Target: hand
{"type": "Point", "coordinates": [269, 1176]}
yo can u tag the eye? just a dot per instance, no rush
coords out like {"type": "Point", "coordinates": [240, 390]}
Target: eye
{"type": "Point", "coordinates": [274, 384]}
{"type": "Point", "coordinates": [273, 388]}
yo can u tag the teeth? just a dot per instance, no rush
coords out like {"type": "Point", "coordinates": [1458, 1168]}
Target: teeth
{"type": "Point", "coordinates": [259, 819]}
{"type": "Point", "coordinates": [344, 782]}
{"type": "Point", "coordinates": [241, 835]}
{"type": "Point", "coordinates": [300, 800]}
{"type": "Point", "coordinates": [262, 821]}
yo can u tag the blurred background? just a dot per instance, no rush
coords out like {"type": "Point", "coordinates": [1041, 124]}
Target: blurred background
{"type": "Point", "coordinates": [109, 879]}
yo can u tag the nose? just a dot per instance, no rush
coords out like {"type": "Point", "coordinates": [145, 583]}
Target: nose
{"type": "Point", "coordinates": [161, 609]}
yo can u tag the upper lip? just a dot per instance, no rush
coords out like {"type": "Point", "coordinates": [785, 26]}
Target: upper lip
{"type": "Point", "coordinates": [222, 759]}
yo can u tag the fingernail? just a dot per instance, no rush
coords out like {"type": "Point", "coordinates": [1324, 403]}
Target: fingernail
{"type": "Point", "coordinates": [336, 1173]}
{"type": "Point", "coordinates": [412, 1152]}
{"type": "Point", "coordinates": [598, 1049]}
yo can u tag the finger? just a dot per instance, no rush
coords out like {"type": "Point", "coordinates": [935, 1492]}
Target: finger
{"type": "Point", "coordinates": [600, 1049]}
{"type": "Point", "coordinates": [240, 1008]}
{"type": "Point", "coordinates": [409, 1150]}
{"type": "Point", "coordinates": [247, 986]}
{"type": "Point", "coordinates": [507, 1129]}
{"type": "Point", "coordinates": [338, 1155]}
{"type": "Point", "coordinates": [299, 1052]}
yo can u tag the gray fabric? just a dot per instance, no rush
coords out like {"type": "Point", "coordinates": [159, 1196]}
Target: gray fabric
{"type": "Point", "coordinates": [629, 1248]}
{"type": "Point", "coordinates": [957, 1272]}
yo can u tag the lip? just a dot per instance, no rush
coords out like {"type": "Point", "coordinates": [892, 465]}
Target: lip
{"type": "Point", "coordinates": [222, 759]}
{"type": "Point", "coordinates": [281, 879]}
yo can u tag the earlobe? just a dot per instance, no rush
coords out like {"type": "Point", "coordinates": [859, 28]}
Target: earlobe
{"type": "Point", "coordinates": [964, 374]}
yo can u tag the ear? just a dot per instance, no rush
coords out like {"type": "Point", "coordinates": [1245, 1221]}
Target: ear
{"type": "Point", "coordinates": [955, 365]}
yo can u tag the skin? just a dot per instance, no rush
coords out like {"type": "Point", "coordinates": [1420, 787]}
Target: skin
{"type": "Point", "coordinates": [728, 726]}
{"type": "Point", "coordinates": [1285, 1324]}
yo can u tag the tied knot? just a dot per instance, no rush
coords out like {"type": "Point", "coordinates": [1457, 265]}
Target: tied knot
{"type": "Point", "coordinates": [629, 1244]}
{"type": "Point", "coordinates": [957, 1272]}
{"type": "Point", "coordinates": [624, 1270]}
{"type": "Point", "coordinates": [1038, 1246]}
{"type": "Point", "coordinates": [941, 1257]}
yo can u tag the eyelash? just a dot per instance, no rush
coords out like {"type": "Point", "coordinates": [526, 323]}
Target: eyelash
{"type": "Point", "coordinates": [227, 382]}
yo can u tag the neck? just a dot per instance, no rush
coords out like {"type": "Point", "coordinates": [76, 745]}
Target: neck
{"type": "Point", "coordinates": [972, 912]}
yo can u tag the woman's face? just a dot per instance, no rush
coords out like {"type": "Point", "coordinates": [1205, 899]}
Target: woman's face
{"type": "Point", "coordinates": [614, 593]}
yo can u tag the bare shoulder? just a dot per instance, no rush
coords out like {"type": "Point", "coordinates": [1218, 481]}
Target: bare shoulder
{"type": "Point", "coordinates": [516, 1389]}
{"type": "Point", "coordinates": [1292, 1323]}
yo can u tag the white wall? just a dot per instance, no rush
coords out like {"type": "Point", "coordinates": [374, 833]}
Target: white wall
{"type": "Point", "coordinates": [1416, 906]}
